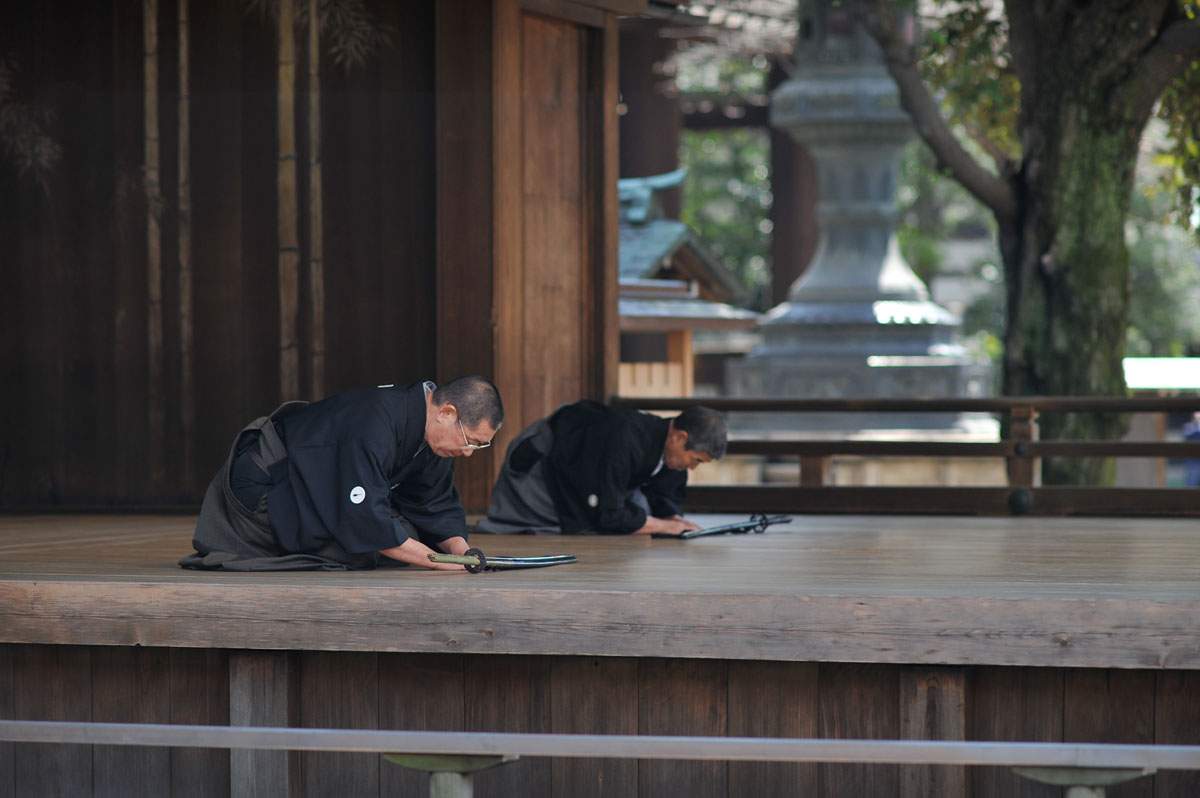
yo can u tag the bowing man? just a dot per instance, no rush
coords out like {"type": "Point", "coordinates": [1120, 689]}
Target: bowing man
{"type": "Point", "coordinates": [353, 481]}
{"type": "Point", "coordinates": [590, 468]}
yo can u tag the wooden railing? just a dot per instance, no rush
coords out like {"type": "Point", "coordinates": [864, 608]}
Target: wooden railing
{"type": "Point", "coordinates": [1021, 453]}
{"type": "Point", "coordinates": [1078, 765]}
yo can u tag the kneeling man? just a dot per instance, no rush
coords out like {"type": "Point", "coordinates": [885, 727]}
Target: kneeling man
{"type": "Point", "coordinates": [356, 480]}
{"type": "Point", "coordinates": [590, 468]}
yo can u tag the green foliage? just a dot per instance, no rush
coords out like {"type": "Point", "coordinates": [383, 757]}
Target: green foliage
{"type": "Point", "coordinates": [727, 200]}
{"type": "Point", "coordinates": [964, 53]}
{"type": "Point", "coordinates": [1179, 108]}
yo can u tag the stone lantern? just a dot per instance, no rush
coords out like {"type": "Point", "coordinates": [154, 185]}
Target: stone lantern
{"type": "Point", "coordinates": [859, 322]}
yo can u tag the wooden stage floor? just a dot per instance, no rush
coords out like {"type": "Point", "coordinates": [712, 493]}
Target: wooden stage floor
{"type": "Point", "coordinates": [1073, 592]}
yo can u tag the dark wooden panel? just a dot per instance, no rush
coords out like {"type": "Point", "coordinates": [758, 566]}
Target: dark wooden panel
{"type": "Point", "coordinates": [772, 699]}
{"type": "Point", "coordinates": [199, 696]}
{"type": "Point", "coordinates": [683, 697]}
{"type": "Point", "coordinates": [130, 685]}
{"type": "Point", "coordinates": [1110, 706]}
{"type": "Point", "coordinates": [467, 41]}
{"type": "Point", "coordinates": [339, 690]}
{"type": "Point", "coordinates": [594, 696]}
{"type": "Point", "coordinates": [1014, 704]}
{"type": "Point", "coordinates": [422, 692]}
{"type": "Point", "coordinates": [509, 694]}
{"type": "Point", "coordinates": [52, 683]}
{"type": "Point", "coordinates": [264, 690]}
{"type": "Point", "coordinates": [405, 170]}
{"type": "Point", "coordinates": [7, 712]}
{"type": "Point", "coordinates": [858, 702]}
{"type": "Point", "coordinates": [933, 707]}
{"type": "Point", "coordinates": [218, 215]}
{"type": "Point", "coordinates": [1177, 722]}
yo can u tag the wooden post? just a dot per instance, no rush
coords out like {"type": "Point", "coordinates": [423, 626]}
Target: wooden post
{"type": "Point", "coordinates": [264, 691]}
{"type": "Point", "coordinates": [316, 245]}
{"type": "Point", "coordinates": [813, 471]}
{"type": "Point", "coordinates": [289, 237]}
{"type": "Point", "coordinates": [187, 390]}
{"type": "Point", "coordinates": [156, 416]}
{"type": "Point", "coordinates": [1022, 469]}
{"type": "Point", "coordinates": [933, 707]}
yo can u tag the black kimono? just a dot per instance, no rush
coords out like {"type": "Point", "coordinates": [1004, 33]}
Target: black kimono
{"type": "Point", "coordinates": [586, 468]}
{"type": "Point", "coordinates": [341, 478]}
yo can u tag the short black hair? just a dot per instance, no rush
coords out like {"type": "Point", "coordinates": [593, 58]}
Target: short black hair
{"type": "Point", "coordinates": [706, 430]}
{"type": "Point", "coordinates": [476, 399]}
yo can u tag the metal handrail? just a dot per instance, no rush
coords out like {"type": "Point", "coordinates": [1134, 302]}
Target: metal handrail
{"type": "Point", "coordinates": [757, 749]}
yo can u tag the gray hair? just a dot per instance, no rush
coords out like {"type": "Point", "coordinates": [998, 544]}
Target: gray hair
{"type": "Point", "coordinates": [476, 399]}
{"type": "Point", "coordinates": [706, 430]}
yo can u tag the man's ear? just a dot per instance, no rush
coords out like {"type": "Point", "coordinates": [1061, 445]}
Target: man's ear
{"type": "Point", "coordinates": [449, 412]}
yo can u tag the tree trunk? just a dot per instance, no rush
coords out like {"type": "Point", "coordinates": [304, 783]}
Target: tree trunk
{"type": "Point", "coordinates": [316, 271]}
{"type": "Point", "coordinates": [1066, 263]}
{"type": "Point", "coordinates": [289, 239]}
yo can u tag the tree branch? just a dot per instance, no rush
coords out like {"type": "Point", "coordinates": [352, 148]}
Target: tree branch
{"type": "Point", "coordinates": [1169, 57]}
{"type": "Point", "coordinates": [900, 58]}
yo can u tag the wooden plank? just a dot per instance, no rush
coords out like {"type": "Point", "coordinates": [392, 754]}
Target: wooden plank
{"type": "Point", "coordinates": [466, 39]}
{"type": "Point", "coordinates": [1014, 704]}
{"type": "Point", "coordinates": [52, 683]}
{"type": "Point", "coordinates": [576, 13]}
{"type": "Point", "coordinates": [933, 707]}
{"type": "Point", "coordinates": [772, 699]}
{"type": "Point", "coordinates": [679, 697]}
{"type": "Point", "coordinates": [593, 696]}
{"type": "Point", "coordinates": [1110, 706]}
{"type": "Point", "coordinates": [8, 698]}
{"type": "Point", "coordinates": [130, 685]}
{"type": "Point", "coordinates": [509, 694]}
{"type": "Point", "coordinates": [418, 692]}
{"type": "Point", "coordinates": [199, 695]}
{"type": "Point", "coordinates": [339, 690]}
{"type": "Point", "coordinates": [264, 691]}
{"type": "Point", "coordinates": [553, 201]}
{"type": "Point", "coordinates": [998, 404]}
{"type": "Point", "coordinates": [858, 702]}
{"type": "Point", "coordinates": [1176, 722]}
{"type": "Point", "coordinates": [602, 144]}
{"type": "Point", "coordinates": [508, 241]}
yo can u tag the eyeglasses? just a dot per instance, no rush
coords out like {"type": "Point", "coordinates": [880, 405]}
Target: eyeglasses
{"type": "Point", "coordinates": [470, 447]}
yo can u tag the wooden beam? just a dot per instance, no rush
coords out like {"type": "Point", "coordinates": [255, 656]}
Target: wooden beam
{"type": "Point", "coordinates": [264, 691]}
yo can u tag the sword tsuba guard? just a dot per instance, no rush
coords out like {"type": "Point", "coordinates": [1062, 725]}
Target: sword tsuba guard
{"type": "Point", "coordinates": [474, 569]}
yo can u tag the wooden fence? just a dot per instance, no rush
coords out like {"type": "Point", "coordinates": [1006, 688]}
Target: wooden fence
{"type": "Point", "coordinates": [1021, 452]}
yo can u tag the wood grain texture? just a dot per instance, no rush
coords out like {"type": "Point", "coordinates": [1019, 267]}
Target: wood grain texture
{"type": "Point", "coordinates": [933, 707]}
{"type": "Point", "coordinates": [1111, 706]}
{"type": "Point", "coordinates": [418, 692]}
{"type": "Point", "coordinates": [594, 695]}
{"type": "Point", "coordinates": [509, 694]}
{"type": "Point", "coordinates": [1057, 593]}
{"type": "Point", "coordinates": [7, 711]}
{"type": "Point", "coordinates": [130, 685]}
{"type": "Point", "coordinates": [339, 691]}
{"type": "Point", "coordinates": [1176, 722]}
{"type": "Point", "coordinates": [1013, 704]}
{"type": "Point", "coordinates": [52, 683]}
{"type": "Point", "coordinates": [858, 702]}
{"type": "Point", "coordinates": [682, 698]}
{"type": "Point", "coordinates": [264, 690]}
{"type": "Point", "coordinates": [772, 699]}
{"type": "Point", "coordinates": [199, 695]}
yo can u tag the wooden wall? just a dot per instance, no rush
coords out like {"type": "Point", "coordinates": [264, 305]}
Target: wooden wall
{"type": "Point", "coordinates": [467, 229]}
{"type": "Point", "coordinates": [578, 695]}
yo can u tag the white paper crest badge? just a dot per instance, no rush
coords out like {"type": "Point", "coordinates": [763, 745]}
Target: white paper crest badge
{"type": "Point", "coordinates": [593, 500]}
{"type": "Point", "coordinates": [357, 494]}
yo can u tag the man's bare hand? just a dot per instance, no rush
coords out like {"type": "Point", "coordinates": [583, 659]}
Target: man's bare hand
{"type": "Point", "coordinates": [665, 526]}
{"type": "Point", "coordinates": [414, 552]}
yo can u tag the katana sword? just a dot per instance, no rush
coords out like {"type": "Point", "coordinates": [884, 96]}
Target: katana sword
{"type": "Point", "coordinates": [757, 524]}
{"type": "Point", "coordinates": [475, 561]}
